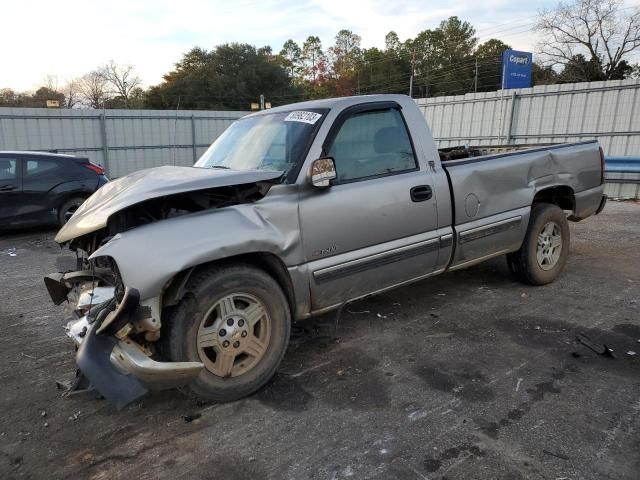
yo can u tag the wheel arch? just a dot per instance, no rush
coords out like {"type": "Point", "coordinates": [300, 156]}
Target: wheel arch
{"type": "Point", "coordinates": [561, 195]}
{"type": "Point", "coordinates": [265, 261]}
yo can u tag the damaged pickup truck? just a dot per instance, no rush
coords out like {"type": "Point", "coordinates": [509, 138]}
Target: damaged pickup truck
{"type": "Point", "coordinates": [191, 276]}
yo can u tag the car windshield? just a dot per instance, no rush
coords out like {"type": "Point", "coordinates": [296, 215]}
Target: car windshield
{"type": "Point", "coordinates": [273, 142]}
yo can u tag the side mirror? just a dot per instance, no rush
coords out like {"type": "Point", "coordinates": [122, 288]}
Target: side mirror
{"type": "Point", "coordinates": [323, 170]}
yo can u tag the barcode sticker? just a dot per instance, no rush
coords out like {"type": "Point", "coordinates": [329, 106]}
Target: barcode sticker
{"type": "Point", "coordinates": [304, 117]}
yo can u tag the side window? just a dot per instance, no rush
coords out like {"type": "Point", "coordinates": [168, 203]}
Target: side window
{"type": "Point", "coordinates": [371, 144]}
{"type": "Point", "coordinates": [8, 169]}
{"type": "Point", "coordinates": [38, 167]}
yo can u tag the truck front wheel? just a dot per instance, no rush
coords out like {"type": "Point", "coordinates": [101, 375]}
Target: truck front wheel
{"type": "Point", "coordinates": [545, 248]}
{"type": "Point", "coordinates": [235, 320]}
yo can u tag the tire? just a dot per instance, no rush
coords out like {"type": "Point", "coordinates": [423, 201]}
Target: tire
{"type": "Point", "coordinates": [539, 264]}
{"type": "Point", "coordinates": [68, 208]}
{"type": "Point", "coordinates": [195, 328]}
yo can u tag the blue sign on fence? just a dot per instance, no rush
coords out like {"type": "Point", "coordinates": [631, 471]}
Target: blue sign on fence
{"type": "Point", "coordinates": [516, 69]}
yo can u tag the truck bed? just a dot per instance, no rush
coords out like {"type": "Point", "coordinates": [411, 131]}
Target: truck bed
{"type": "Point", "coordinates": [466, 151]}
{"type": "Point", "coordinates": [493, 193]}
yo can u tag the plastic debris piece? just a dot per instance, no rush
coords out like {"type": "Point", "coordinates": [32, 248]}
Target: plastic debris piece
{"type": "Point", "coordinates": [557, 455]}
{"type": "Point", "coordinates": [631, 353]}
{"type": "Point", "coordinates": [599, 348]}
{"type": "Point", "coordinates": [191, 418]}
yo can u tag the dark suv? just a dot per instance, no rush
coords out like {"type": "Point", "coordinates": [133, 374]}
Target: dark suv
{"type": "Point", "coordinates": [40, 188]}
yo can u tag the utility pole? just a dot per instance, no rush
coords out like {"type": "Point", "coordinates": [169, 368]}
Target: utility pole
{"type": "Point", "coordinates": [475, 88]}
{"type": "Point", "coordinates": [261, 102]}
{"type": "Point", "coordinates": [413, 61]}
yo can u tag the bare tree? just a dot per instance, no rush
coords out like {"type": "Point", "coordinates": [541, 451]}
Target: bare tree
{"type": "Point", "coordinates": [93, 89]}
{"type": "Point", "coordinates": [122, 79]}
{"type": "Point", "coordinates": [601, 32]}
{"type": "Point", "coordinates": [72, 92]}
{"type": "Point", "coordinates": [50, 82]}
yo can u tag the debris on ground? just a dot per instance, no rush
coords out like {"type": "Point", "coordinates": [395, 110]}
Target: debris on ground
{"type": "Point", "coordinates": [434, 315]}
{"type": "Point", "coordinates": [75, 416]}
{"type": "Point", "coordinates": [379, 315]}
{"type": "Point", "coordinates": [191, 418]}
{"type": "Point", "coordinates": [524, 295]}
{"type": "Point", "coordinates": [43, 413]}
{"type": "Point", "coordinates": [439, 335]}
{"type": "Point", "coordinates": [557, 455]}
{"type": "Point", "coordinates": [518, 384]}
{"type": "Point", "coordinates": [363, 311]}
{"type": "Point", "coordinates": [46, 424]}
{"type": "Point", "coordinates": [11, 252]}
{"type": "Point", "coordinates": [631, 353]}
{"type": "Point", "coordinates": [599, 348]}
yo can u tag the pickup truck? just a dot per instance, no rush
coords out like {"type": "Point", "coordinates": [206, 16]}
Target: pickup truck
{"type": "Point", "coordinates": [190, 277]}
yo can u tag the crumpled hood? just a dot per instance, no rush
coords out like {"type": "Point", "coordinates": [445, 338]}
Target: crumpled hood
{"type": "Point", "coordinates": [147, 184]}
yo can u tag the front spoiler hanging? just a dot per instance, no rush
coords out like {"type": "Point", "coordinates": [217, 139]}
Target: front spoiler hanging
{"type": "Point", "coordinates": [94, 361]}
{"type": "Point", "coordinates": [117, 366]}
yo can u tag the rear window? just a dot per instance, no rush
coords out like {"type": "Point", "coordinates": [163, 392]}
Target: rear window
{"type": "Point", "coordinates": [40, 166]}
{"type": "Point", "coordinates": [8, 168]}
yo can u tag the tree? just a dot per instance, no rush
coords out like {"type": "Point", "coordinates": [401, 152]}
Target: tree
{"type": "Point", "coordinates": [71, 90]}
{"type": "Point", "coordinates": [444, 58]}
{"type": "Point", "coordinates": [93, 89]}
{"type": "Point", "coordinates": [291, 58]}
{"type": "Point", "coordinates": [589, 37]}
{"type": "Point", "coordinates": [543, 75]}
{"type": "Point", "coordinates": [489, 62]}
{"type": "Point", "coordinates": [122, 79]}
{"type": "Point", "coordinates": [231, 76]}
{"type": "Point", "coordinates": [313, 57]}
{"type": "Point", "coordinates": [392, 42]}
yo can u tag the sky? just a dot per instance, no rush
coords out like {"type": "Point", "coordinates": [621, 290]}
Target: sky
{"type": "Point", "coordinates": [68, 38]}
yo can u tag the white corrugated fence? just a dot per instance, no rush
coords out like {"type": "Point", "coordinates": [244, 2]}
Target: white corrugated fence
{"type": "Point", "coordinates": [120, 140]}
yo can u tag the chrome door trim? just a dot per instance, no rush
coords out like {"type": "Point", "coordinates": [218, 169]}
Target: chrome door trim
{"type": "Point", "coordinates": [376, 260]}
{"type": "Point", "coordinates": [490, 229]}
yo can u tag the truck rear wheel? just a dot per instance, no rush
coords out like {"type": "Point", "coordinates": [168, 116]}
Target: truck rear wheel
{"type": "Point", "coordinates": [235, 320]}
{"type": "Point", "coordinates": [545, 248]}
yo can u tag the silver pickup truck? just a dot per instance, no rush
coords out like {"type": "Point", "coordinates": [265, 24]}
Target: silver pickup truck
{"type": "Point", "coordinates": [191, 276]}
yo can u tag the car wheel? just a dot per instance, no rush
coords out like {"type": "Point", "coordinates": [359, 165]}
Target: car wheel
{"type": "Point", "coordinates": [68, 209]}
{"type": "Point", "coordinates": [545, 248]}
{"type": "Point", "coordinates": [235, 320]}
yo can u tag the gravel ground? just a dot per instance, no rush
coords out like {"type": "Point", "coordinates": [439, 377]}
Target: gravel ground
{"type": "Point", "coordinates": [467, 375]}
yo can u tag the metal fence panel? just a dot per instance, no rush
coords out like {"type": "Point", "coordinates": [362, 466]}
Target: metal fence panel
{"type": "Point", "coordinates": [121, 140]}
{"type": "Point", "coordinates": [607, 111]}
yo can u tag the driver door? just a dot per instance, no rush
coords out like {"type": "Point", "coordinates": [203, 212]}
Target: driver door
{"type": "Point", "coordinates": [375, 227]}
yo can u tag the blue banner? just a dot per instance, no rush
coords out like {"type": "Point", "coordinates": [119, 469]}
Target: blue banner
{"type": "Point", "coordinates": [516, 69]}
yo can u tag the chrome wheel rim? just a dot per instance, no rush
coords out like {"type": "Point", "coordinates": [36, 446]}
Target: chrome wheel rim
{"type": "Point", "coordinates": [234, 335]}
{"type": "Point", "coordinates": [549, 246]}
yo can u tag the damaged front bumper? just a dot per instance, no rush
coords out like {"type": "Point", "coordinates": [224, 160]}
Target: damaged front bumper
{"type": "Point", "coordinates": [116, 365]}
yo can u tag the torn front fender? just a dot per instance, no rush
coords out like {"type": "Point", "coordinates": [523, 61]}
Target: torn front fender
{"type": "Point", "coordinates": [149, 256]}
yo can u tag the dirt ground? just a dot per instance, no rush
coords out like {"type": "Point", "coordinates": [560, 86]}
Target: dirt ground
{"type": "Point", "coordinates": [467, 375]}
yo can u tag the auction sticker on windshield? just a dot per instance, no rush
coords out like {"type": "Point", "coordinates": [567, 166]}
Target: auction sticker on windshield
{"type": "Point", "coordinates": [304, 117]}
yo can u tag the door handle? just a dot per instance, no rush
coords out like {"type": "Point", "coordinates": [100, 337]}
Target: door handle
{"type": "Point", "coordinates": [421, 193]}
{"type": "Point", "coordinates": [7, 188]}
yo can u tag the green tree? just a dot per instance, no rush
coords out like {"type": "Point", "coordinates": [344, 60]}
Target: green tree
{"type": "Point", "coordinates": [313, 58]}
{"type": "Point", "coordinates": [444, 58]}
{"type": "Point", "coordinates": [489, 62]}
{"type": "Point", "coordinates": [231, 76]}
{"type": "Point", "coordinates": [291, 58]}
{"type": "Point", "coordinates": [543, 75]}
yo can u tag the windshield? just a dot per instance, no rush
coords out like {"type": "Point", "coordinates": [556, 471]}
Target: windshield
{"type": "Point", "coordinates": [274, 142]}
